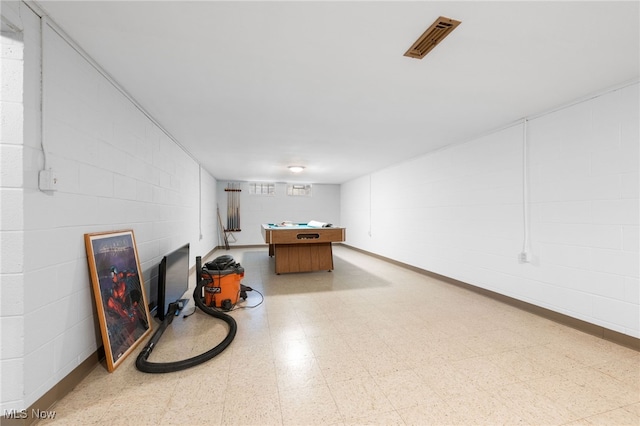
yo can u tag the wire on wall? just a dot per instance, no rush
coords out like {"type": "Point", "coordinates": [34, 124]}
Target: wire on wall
{"type": "Point", "coordinates": [67, 39]}
{"type": "Point", "coordinates": [43, 23]}
{"type": "Point", "coordinates": [370, 205]}
{"type": "Point", "coordinates": [526, 249]}
{"type": "Point", "coordinates": [200, 200]}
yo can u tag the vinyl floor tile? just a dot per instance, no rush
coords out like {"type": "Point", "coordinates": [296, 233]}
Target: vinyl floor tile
{"type": "Point", "coordinates": [370, 343]}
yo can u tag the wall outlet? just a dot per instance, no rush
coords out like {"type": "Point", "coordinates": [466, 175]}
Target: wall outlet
{"type": "Point", "coordinates": [47, 180]}
{"type": "Point", "coordinates": [524, 257]}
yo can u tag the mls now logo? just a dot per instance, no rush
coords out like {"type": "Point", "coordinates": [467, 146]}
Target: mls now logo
{"type": "Point", "coordinates": [23, 414]}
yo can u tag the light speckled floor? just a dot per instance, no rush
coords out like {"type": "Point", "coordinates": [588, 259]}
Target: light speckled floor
{"type": "Point", "coordinates": [369, 343]}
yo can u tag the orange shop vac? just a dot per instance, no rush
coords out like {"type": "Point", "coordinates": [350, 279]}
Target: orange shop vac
{"type": "Point", "coordinates": [222, 287]}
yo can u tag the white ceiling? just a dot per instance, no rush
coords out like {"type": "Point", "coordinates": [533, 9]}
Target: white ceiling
{"type": "Point", "coordinates": [251, 87]}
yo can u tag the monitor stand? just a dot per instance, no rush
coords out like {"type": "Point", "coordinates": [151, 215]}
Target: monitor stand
{"type": "Point", "coordinates": [182, 303]}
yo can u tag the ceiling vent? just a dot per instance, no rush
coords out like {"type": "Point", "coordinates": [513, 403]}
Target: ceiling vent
{"type": "Point", "coordinates": [441, 28]}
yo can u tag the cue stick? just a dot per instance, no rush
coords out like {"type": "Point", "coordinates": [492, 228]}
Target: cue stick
{"type": "Point", "coordinates": [229, 209]}
{"type": "Point", "coordinates": [224, 234]}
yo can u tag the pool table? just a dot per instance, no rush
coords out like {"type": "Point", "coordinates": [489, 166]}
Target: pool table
{"type": "Point", "coordinates": [301, 248]}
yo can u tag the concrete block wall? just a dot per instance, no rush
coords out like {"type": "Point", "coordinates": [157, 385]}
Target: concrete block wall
{"type": "Point", "coordinates": [323, 205]}
{"type": "Point", "coordinates": [116, 168]}
{"type": "Point", "coordinates": [584, 163]}
{"type": "Point", "coordinates": [11, 209]}
{"type": "Point", "coordinates": [459, 211]}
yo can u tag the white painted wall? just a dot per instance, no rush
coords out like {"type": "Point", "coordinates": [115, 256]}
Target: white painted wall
{"type": "Point", "coordinates": [459, 211]}
{"type": "Point", "coordinates": [116, 169]}
{"type": "Point", "coordinates": [323, 205]}
{"type": "Point", "coordinates": [11, 209]}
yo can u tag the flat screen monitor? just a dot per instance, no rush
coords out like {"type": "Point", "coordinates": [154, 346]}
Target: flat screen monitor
{"type": "Point", "coordinates": [173, 280]}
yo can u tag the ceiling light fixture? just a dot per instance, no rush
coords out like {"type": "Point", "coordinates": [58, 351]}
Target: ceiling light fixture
{"type": "Point", "coordinates": [296, 169]}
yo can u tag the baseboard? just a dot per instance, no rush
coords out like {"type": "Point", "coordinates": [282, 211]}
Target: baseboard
{"type": "Point", "coordinates": [584, 326]}
{"type": "Point", "coordinates": [67, 384]}
{"type": "Point", "coordinates": [57, 392]}
{"type": "Point", "coordinates": [71, 380]}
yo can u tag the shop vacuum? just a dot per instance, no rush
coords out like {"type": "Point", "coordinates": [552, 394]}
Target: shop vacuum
{"type": "Point", "coordinates": [217, 291]}
{"type": "Point", "coordinates": [222, 286]}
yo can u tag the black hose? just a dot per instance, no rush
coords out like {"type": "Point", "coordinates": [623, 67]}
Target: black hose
{"type": "Point", "coordinates": [167, 367]}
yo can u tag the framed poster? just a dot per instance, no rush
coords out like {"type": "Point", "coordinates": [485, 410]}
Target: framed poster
{"type": "Point", "coordinates": [118, 288]}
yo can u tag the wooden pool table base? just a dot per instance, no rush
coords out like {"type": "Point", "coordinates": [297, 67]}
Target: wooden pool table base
{"type": "Point", "coordinates": [302, 249]}
{"type": "Point", "coordinates": [303, 257]}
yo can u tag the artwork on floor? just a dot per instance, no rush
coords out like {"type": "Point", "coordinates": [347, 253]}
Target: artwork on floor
{"type": "Point", "coordinates": [118, 289]}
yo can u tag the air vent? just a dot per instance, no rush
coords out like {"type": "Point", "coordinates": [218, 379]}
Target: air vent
{"type": "Point", "coordinates": [441, 28]}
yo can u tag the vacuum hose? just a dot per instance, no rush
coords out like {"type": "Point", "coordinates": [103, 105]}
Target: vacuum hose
{"type": "Point", "coordinates": [167, 367]}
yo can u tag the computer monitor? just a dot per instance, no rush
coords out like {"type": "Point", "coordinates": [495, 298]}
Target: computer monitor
{"type": "Point", "coordinates": [173, 280]}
